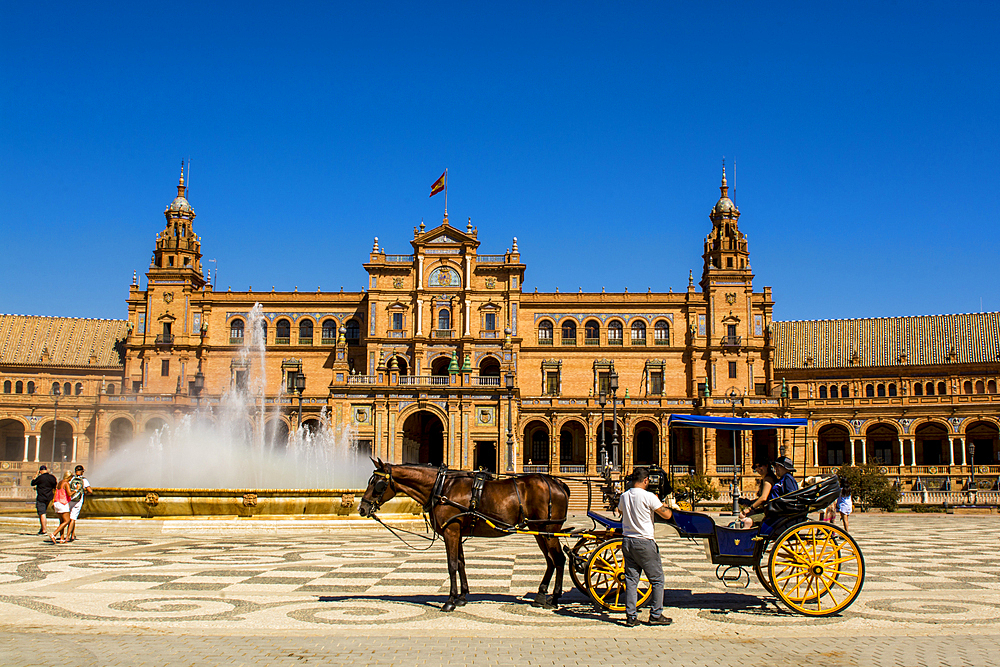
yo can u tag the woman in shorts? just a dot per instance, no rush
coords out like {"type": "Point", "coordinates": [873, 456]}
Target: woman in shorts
{"type": "Point", "coordinates": [845, 504]}
{"type": "Point", "coordinates": [60, 503]}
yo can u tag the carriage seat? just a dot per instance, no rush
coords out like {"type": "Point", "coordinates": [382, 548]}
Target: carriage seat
{"type": "Point", "coordinates": [610, 524]}
{"type": "Point", "coordinates": [807, 499]}
{"type": "Point", "coordinates": [692, 524]}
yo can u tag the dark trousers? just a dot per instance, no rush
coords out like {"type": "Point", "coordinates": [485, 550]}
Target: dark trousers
{"type": "Point", "coordinates": [642, 555]}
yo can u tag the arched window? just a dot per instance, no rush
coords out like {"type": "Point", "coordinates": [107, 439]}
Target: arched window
{"type": "Point", "coordinates": [263, 331]}
{"type": "Point", "coordinates": [980, 387]}
{"type": "Point", "coordinates": [795, 392]}
{"type": "Point", "coordinates": [19, 387]}
{"type": "Point", "coordinates": [6, 387]}
{"type": "Point", "coordinates": [111, 388]}
{"type": "Point", "coordinates": [545, 332]}
{"type": "Point", "coordinates": [78, 389]}
{"type": "Point", "coordinates": [661, 333]}
{"type": "Point", "coordinates": [236, 331]}
{"type": "Point", "coordinates": [822, 391]}
{"type": "Point", "coordinates": [881, 390]}
{"type": "Point", "coordinates": [444, 318]}
{"type": "Point", "coordinates": [282, 332]}
{"type": "Point", "coordinates": [67, 389]}
{"type": "Point", "coordinates": [305, 332]}
{"type": "Point", "coordinates": [930, 388]}
{"type": "Point", "coordinates": [638, 333]}
{"type": "Point", "coordinates": [892, 388]}
{"type": "Point", "coordinates": [870, 390]}
{"type": "Point", "coordinates": [967, 387]}
{"type": "Point", "coordinates": [845, 392]}
{"type": "Point", "coordinates": [55, 388]}
{"type": "Point", "coordinates": [833, 391]}
{"type": "Point", "coordinates": [942, 389]}
{"type": "Point", "coordinates": [991, 387]}
{"type": "Point", "coordinates": [918, 389]}
{"type": "Point", "coordinates": [329, 331]}
{"type": "Point", "coordinates": [615, 333]}
{"type": "Point", "coordinates": [568, 332]}
{"type": "Point", "coordinates": [353, 331]}
{"type": "Point", "coordinates": [592, 332]}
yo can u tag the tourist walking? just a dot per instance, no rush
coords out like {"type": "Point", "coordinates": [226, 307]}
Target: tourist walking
{"type": "Point", "coordinates": [637, 507]}
{"type": "Point", "coordinates": [845, 504]}
{"type": "Point", "coordinates": [79, 487]}
{"type": "Point", "coordinates": [60, 503]}
{"type": "Point", "coordinates": [45, 484]}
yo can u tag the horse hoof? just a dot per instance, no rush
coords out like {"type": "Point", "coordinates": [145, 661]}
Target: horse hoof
{"type": "Point", "coordinates": [460, 602]}
{"type": "Point", "coordinates": [448, 606]}
{"type": "Point", "coordinates": [542, 600]}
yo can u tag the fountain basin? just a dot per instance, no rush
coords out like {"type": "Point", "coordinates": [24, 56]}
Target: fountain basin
{"type": "Point", "coordinates": [161, 503]}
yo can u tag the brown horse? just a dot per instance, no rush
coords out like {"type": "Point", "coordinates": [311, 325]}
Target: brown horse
{"type": "Point", "coordinates": [534, 502]}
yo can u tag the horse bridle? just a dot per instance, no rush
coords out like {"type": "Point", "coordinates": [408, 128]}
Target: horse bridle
{"type": "Point", "coordinates": [379, 482]}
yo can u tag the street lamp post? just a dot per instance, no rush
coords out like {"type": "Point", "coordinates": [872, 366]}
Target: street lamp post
{"type": "Point", "coordinates": [973, 493]}
{"type": "Point", "coordinates": [300, 387]}
{"type": "Point", "coordinates": [55, 420]}
{"type": "Point", "coordinates": [613, 383]}
{"type": "Point", "coordinates": [62, 448]}
{"type": "Point", "coordinates": [734, 397]}
{"type": "Point", "coordinates": [199, 385]}
{"type": "Point", "coordinates": [509, 380]}
{"type": "Point", "coordinates": [602, 400]}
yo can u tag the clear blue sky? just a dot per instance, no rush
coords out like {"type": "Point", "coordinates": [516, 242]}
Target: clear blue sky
{"type": "Point", "coordinates": [866, 141]}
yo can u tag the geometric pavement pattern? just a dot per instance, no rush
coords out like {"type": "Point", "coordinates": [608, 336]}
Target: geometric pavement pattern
{"type": "Point", "coordinates": [925, 575]}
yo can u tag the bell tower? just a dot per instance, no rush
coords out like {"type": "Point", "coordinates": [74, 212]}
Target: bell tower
{"type": "Point", "coordinates": [178, 248]}
{"type": "Point", "coordinates": [726, 253]}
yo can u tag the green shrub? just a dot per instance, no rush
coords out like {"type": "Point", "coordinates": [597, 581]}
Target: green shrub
{"type": "Point", "coordinates": [928, 509]}
{"type": "Point", "coordinates": [869, 487]}
{"type": "Point", "coordinates": [694, 488]}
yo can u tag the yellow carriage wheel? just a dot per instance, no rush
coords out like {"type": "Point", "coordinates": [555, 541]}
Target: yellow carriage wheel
{"type": "Point", "coordinates": [816, 569]}
{"type": "Point", "coordinates": [606, 578]}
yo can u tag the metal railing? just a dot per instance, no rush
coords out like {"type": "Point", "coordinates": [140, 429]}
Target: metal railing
{"type": "Point", "coordinates": [491, 259]}
{"type": "Point", "coordinates": [638, 341]}
{"type": "Point", "coordinates": [282, 341]}
{"type": "Point", "coordinates": [592, 341]}
{"type": "Point", "coordinates": [305, 341]}
{"type": "Point", "coordinates": [661, 341]}
{"type": "Point", "coordinates": [361, 379]}
{"type": "Point", "coordinates": [574, 469]}
{"type": "Point", "coordinates": [732, 341]}
{"type": "Point", "coordinates": [399, 258]}
{"type": "Point", "coordinates": [489, 334]}
{"type": "Point", "coordinates": [442, 333]}
{"type": "Point", "coordinates": [534, 468]}
{"type": "Point", "coordinates": [568, 341]}
{"type": "Point", "coordinates": [614, 341]}
{"type": "Point", "coordinates": [165, 339]}
{"type": "Point", "coordinates": [327, 341]}
{"type": "Point", "coordinates": [544, 341]}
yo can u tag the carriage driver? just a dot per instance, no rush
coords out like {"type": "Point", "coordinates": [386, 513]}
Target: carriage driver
{"type": "Point", "coordinates": [637, 506]}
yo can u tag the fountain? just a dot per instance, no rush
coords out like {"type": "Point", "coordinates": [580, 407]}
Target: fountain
{"type": "Point", "coordinates": [222, 460]}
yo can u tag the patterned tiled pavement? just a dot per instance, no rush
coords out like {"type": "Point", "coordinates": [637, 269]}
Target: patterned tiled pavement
{"type": "Point", "coordinates": [127, 595]}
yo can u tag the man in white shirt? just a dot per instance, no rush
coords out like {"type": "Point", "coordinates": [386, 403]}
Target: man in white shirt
{"type": "Point", "coordinates": [79, 488]}
{"type": "Point", "coordinates": [637, 506]}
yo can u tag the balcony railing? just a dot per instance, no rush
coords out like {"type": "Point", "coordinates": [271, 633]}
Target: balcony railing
{"type": "Point", "coordinates": [414, 380]}
{"type": "Point", "coordinates": [486, 381]}
{"type": "Point", "coordinates": [165, 339]}
{"type": "Point", "coordinates": [638, 341]}
{"type": "Point", "coordinates": [568, 341]}
{"type": "Point", "coordinates": [399, 258]}
{"type": "Point", "coordinates": [327, 341]}
{"type": "Point", "coordinates": [545, 341]}
{"type": "Point", "coordinates": [395, 333]}
{"type": "Point", "coordinates": [732, 341]}
{"type": "Point", "coordinates": [305, 341]}
{"type": "Point", "coordinates": [443, 333]}
{"type": "Point", "coordinates": [489, 334]}
{"type": "Point", "coordinates": [282, 341]}
{"type": "Point", "coordinates": [535, 468]}
{"type": "Point", "coordinates": [661, 341]}
{"type": "Point", "coordinates": [361, 379]}
{"type": "Point", "coordinates": [614, 341]}
{"type": "Point", "coordinates": [235, 341]}
{"type": "Point", "coordinates": [574, 469]}
{"type": "Point", "coordinates": [491, 259]}
{"type": "Point", "coordinates": [592, 341]}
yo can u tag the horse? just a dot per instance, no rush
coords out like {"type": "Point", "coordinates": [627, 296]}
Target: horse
{"type": "Point", "coordinates": [452, 498]}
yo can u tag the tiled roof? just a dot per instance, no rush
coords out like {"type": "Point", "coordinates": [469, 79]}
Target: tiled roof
{"type": "Point", "coordinates": [925, 339]}
{"type": "Point", "coordinates": [59, 341]}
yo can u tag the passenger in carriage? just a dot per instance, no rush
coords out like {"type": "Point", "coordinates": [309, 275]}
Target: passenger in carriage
{"type": "Point", "coordinates": [783, 469]}
{"type": "Point", "coordinates": [753, 512]}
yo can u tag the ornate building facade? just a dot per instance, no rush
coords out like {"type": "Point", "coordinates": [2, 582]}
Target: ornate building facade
{"type": "Point", "coordinates": [426, 364]}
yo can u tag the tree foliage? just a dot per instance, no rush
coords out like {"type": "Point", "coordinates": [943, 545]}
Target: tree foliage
{"type": "Point", "coordinates": [694, 489]}
{"type": "Point", "coordinates": [869, 487]}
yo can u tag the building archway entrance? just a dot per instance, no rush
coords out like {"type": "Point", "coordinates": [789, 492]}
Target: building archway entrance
{"type": "Point", "coordinates": [931, 449]}
{"type": "Point", "coordinates": [11, 440]}
{"type": "Point", "coordinates": [984, 436]}
{"type": "Point", "coordinates": [120, 434]}
{"type": "Point", "coordinates": [485, 456]}
{"type": "Point", "coordinates": [62, 447]}
{"type": "Point", "coordinates": [423, 438]}
{"type": "Point", "coordinates": [645, 445]}
{"type": "Point", "coordinates": [833, 443]}
{"type": "Point", "coordinates": [882, 445]}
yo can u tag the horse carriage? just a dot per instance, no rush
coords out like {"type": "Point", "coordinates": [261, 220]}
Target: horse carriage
{"type": "Point", "coordinates": [813, 567]}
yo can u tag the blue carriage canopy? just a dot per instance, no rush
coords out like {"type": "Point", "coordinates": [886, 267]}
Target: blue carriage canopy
{"type": "Point", "coordinates": [733, 423]}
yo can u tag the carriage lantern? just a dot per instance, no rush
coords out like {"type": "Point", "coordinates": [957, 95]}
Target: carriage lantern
{"type": "Point", "coordinates": [300, 387]}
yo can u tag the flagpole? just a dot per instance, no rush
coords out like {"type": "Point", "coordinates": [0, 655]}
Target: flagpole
{"type": "Point", "coordinates": [446, 193]}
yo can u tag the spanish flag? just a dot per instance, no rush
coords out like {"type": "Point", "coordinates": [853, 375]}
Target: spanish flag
{"type": "Point", "coordinates": [439, 184]}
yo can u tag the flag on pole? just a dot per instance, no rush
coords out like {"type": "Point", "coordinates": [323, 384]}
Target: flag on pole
{"type": "Point", "coordinates": [439, 184]}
